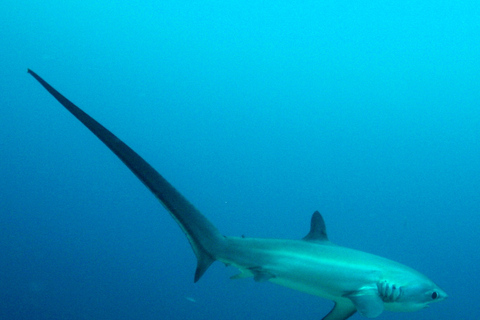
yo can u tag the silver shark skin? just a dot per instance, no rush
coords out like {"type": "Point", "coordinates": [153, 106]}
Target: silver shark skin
{"type": "Point", "coordinates": [354, 280]}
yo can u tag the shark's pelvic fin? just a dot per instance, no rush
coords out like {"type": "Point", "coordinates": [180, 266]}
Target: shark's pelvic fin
{"type": "Point", "coordinates": [318, 231]}
{"type": "Point", "coordinates": [260, 274]}
{"type": "Point", "coordinates": [204, 238]}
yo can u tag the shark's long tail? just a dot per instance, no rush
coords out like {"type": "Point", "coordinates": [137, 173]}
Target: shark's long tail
{"type": "Point", "coordinates": [204, 238]}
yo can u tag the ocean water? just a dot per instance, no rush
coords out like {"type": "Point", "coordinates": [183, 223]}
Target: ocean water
{"type": "Point", "coordinates": [259, 113]}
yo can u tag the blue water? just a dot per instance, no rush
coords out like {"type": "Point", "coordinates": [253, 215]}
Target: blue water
{"type": "Point", "coordinates": [259, 112]}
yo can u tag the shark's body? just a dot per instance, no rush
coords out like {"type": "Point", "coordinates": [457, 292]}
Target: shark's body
{"type": "Point", "coordinates": [354, 280]}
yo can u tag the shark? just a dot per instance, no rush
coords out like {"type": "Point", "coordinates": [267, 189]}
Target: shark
{"type": "Point", "coordinates": [354, 280]}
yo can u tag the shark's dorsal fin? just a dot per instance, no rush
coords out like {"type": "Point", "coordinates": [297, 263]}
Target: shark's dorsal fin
{"type": "Point", "coordinates": [318, 231]}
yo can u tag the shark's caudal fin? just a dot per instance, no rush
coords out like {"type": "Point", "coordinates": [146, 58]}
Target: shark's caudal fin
{"type": "Point", "coordinates": [204, 238]}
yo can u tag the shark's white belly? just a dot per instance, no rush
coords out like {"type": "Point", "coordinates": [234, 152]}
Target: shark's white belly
{"type": "Point", "coordinates": [326, 270]}
{"type": "Point", "coordinates": [323, 278]}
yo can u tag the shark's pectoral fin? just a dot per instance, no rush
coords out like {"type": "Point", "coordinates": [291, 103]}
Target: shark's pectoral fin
{"type": "Point", "coordinates": [341, 311]}
{"type": "Point", "coordinates": [367, 302]}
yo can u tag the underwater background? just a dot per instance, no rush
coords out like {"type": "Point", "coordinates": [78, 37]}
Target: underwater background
{"type": "Point", "coordinates": [260, 113]}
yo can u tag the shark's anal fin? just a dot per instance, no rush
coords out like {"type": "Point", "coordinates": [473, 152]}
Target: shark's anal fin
{"type": "Point", "coordinates": [318, 231]}
{"type": "Point", "coordinates": [242, 275]}
{"type": "Point", "coordinates": [341, 311]}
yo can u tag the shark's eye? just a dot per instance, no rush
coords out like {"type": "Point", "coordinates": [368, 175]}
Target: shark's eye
{"type": "Point", "coordinates": [434, 295]}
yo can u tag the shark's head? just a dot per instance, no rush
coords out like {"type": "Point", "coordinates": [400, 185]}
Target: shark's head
{"type": "Point", "coordinates": [420, 295]}
{"type": "Point", "coordinates": [412, 296]}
